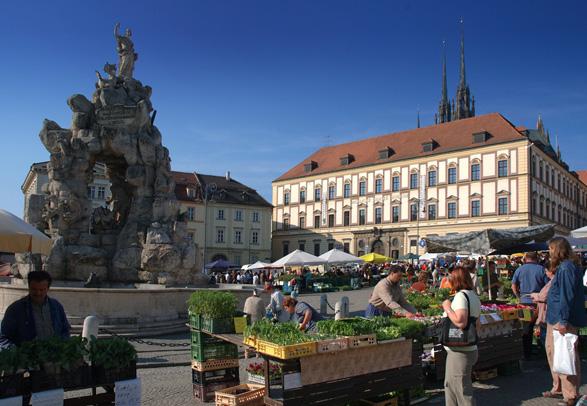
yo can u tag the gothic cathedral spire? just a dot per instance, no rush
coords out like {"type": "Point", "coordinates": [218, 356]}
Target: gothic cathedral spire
{"type": "Point", "coordinates": [444, 111]}
{"type": "Point", "coordinates": [464, 107]}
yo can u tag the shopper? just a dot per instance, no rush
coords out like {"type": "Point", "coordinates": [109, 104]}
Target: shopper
{"type": "Point", "coordinates": [305, 315]}
{"type": "Point", "coordinates": [388, 298]}
{"type": "Point", "coordinates": [254, 307]}
{"type": "Point", "coordinates": [565, 312]}
{"type": "Point", "coordinates": [540, 301]}
{"type": "Point", "coordinates": [458, 386]}
{"type": "Point", "coordinates": [529, 278]}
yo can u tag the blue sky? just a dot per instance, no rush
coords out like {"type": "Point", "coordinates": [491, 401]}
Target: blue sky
{"type": "Point", "coordinates": [254, 87]}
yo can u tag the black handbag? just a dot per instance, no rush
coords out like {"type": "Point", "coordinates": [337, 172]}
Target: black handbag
{"type": "Point", "coordinates": [452, 336]}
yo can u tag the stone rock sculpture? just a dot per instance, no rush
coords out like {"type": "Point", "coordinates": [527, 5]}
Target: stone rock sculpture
{"type": "Point", "coordinates": [140, 237]}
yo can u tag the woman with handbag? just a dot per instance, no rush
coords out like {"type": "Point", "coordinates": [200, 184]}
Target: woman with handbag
{"type": "Point", "coordinates": [459, 338]}
{"type": "Point", "coordinates": [565, 313]}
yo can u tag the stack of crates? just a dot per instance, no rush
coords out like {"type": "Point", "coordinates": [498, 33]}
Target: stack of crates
{"type": "Point", "coordinates": [214, 362]}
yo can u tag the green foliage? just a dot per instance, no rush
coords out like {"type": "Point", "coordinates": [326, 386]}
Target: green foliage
{"type": "Point", "coordinates": [420, 301]}
{"type": "Point", "coordinates": [213, 304]}
{"type": "Point", "coordinates": [345, 288]}
{"type": "Point", "coordinates": [10, 361]}
{"type": "Point", "coordinates": [279, 333]}
{"type": "Point", "coordinates": [433, 311]}
{"type": "Point", "coordinates": [112, 353]}
{"type": "Point", "coordinates": [57, 352]}
{"type": "Point", "coordinates": [507, 287]}
{"type": "Point", "coordinates": [385, 328]}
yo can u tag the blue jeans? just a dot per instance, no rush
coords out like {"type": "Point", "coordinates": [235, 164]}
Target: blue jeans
{"type": "Point", "coordinates": [372, 311]}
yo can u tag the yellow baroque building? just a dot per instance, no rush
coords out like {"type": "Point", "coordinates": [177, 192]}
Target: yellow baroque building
{"type": "Point", "coordinates": [383, 194]}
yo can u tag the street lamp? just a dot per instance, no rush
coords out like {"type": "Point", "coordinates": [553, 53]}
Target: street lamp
{"type": "Point", "coordinates": [209, 191]}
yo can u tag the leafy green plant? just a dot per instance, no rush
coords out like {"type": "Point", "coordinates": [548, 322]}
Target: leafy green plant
{"type": "Point", "coordinates": [10, 361]}
{"type": "Point", "coordinates": [112, 353]}
{"type": "Point", "coordinates": [280, 333]}
{"type": "Point", "coordinates": [211, 304]}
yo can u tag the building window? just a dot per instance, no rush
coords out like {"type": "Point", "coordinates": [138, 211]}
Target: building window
{"type": "Point", "coordinates": [413, 212]}
{"type": "Point", "coordinates": [378, 185]}
{"type": "Point", "coordinates": [395, 214]}
{"type": "Point", "coordinates": [331, 192]}
{"type": "Point", "coordinates": [541, 206]}
{"type": "Point", "coordinates": [553, 212]}
{"type": "Point", "coordinates": [220, 235]}
{"type": "Point", "coordinates": [502, 205]}
{"type": "Point", "coordinates": [347, 189]}
{"type": "Point", "coordinates": [452, 210]}
{"type": "Point", "coordinates": [475, 171]}
{"type": "Point", "coordinates": [432, 178]}
{"type": "Point", "coordinates": [191, 213]}
{"type": "Point", "coordinates": [286, 197]}
{"type": "Point", "coordinates": [559, 214]}
{"type": "Point", "coordinates": [330, 246]}
{"type": "Point", "coordinates": [101, 192]}
{"type": "Point", "coordinates": [533, 170]}
{"type": "Point", "coordinates": [302, 222]}
{"type": "Point", "coordinates": [237, 237]}
{"type": "Point", "coordinates": [362, 188]}
{"type": "Point", "coordinates": [502, 168]}
{"type": "Point", "coordinates": [378, 215]}
{"type": "Point", "coordinates": [317, 221]}
{"type": "Point", "coordinates": [475, 208]}
{"type": "Point", "coordinates": [452, 175]}
{"type": "Point", "coordinates": [431, 212]}
{"type": "Point", "coordinates": [362, 219]}
{"type": "Point", "coordinates": [220, 214]}
{"type": "Point", "coordinates": [317, 194]}
{"type": "Point", "coordinates": [346, 247]}
{"type": "Point", "coordinates": [413, 181]}
{"type": "Point", "coordinates": [302, 196]}
{"type": "Point", "coordinates": [558, 186]}
{"type": "Point", "coordinates": [395, 184]}
{"type": "Point", "coordinates": [331, 220]}
{"type": "Point", "coordinates": [255, 217]}
{"type": "Point", "coordinates": [540, 170]}
{"type": "Point", "coordinates": [91, 191]}
{"type": "Point", "coordinates": [255, 237]}
{"type": "Point", "coordinates": [238, 215]}
{"type": "Point", "coordinates": [317, 249]}
{"type": "Point", "coordinates": [302, 246]}
{"type": "Point", "coordinates": [286, 224]}
{"type": "Point", "coordinates": [285, 248]}
{"type": "Point", "coordinates": [346, 218]}
{"type": "Point", "coordinates": [547, 174]}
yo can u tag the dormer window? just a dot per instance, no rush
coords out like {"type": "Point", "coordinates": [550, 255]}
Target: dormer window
{"type": "Point", "coordinates": [481, 137]}
{"type": "Point", "coordinates": [385, 153]}
{"type": "Point", "coordinates": [346, 159]}
{"type": "Point", "coordinates": [429, 146]}
{"type": "Point", "coordinates": [191, 192]}
{"type": "Point", "coordinates": [310, 166]}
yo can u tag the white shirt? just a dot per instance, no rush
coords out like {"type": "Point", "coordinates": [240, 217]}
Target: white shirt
{"type": "Point", "coordinates": [255, 279]}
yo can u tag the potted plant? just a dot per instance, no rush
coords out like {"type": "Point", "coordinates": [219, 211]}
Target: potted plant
{"type": "Point", "coordinates": [11, 379]}
{"type": "Point", "coordinates": [215, 309]}
{"type": "Point", "coordinates": [113, 359]}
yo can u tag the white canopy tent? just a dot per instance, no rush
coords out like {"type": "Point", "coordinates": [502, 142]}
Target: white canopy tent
{"type": "Point", "coordinates": [579, 233]}
{"type": "Point", "coordinates": [336, 256]}
{"type": "Point", "coordinates": [18, 236]}
{"type": "Point", "coordinates": [256, 265]}
{"type": "Point", "coordinates": [298, 258]}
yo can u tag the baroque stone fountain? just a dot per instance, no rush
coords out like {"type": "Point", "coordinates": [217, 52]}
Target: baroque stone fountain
{"type": "Point", "coordinates": [127, 250]}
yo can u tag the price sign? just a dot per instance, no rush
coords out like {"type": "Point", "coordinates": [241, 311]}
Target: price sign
{"type": "Point", "coordinates": [128, 393]}
{"type": "Point", "coordinates": [48, 398]}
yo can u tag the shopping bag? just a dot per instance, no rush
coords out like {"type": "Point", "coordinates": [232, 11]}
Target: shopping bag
{"type": "Point", "coordinates": [564, 353]}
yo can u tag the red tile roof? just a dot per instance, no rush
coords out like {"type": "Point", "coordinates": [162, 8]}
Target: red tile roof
{"type": "Point", "coordinates": [582, 176]}
{"type": "Point", "coordinates": [451, 136]}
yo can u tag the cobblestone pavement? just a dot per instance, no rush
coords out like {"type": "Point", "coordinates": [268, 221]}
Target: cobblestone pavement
{"type": "Point", "coordinates": [172, 385]}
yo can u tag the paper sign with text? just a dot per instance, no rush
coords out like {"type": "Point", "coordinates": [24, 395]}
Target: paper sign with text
{"type": "Point", "coordinates": [128, 393]}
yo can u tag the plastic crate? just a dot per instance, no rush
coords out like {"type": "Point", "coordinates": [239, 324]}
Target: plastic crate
{"type": "Point", "coordinates": [286, 351]}
{"type": "Point", "coordinates": [336, 344]}
{"type": "Point", "coordinates": [525, 314]}
{"type": "Point", "coordinates": [218, 326]}
{"type": "Point", "coordinates": [250, 341]}
{"type": "Point", "coordinates": [241, 395]}
{"type": "Point", "coordinates": [240, 322]}
{"type": "Point", "coordinates": [214, 364]}
{"type": "Point", "coordinates": [214, 376]}
{"type": "Point", "coordinates": [214, 351]}
{"type": "Point", "coordinates": [362, 341]}
{"type": "Point", "coordinates": [200, 338]}
{"type": "Point", "coordinates": [195, 321]}
{"type": "Point", "coordinates": [509, 314]}
{"type": "Point", "coordinates": [206, 393]}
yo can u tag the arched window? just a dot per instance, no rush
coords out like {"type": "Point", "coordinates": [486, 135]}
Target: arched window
{"type": "Point", "coordinates": [302, 195]}
{"type": "Point", "coordinates": [414, 180]}
{"type": "Point", "coordinates": [432, 179]}
{"type": "Point", "coordinates": [475, 170]}
{"type": "Point", "coordinates": [347, 188]}
{"type": "Point", "coordinates": [379, 184]}
{"type": "Point", "coordinates": [503, 166]}
{"type": "Point", "coordinates": [452, 174]}
{"type": "Point", "coordinates": [317, 193]}
{"type": "Point", "coordinates": [362, 187]}
{"type": "Point", "coordinates": [395, 182]}
{"type": "Point", "coordinates": [286, 197]}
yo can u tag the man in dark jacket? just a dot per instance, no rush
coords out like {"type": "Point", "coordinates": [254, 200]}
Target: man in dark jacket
{"type": "Point", "coordinates": [35, 315]}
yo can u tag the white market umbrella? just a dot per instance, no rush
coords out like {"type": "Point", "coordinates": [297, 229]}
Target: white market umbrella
{"type": "Point", "coordinates": [298, 258]}
{"type": "Point", "coordinates": [579, 233]}
{"type": "Point", "coordinates": [245, 267]}
{"type": "Point", "coordinates": [258, 265]}
{"type": "Point", "coordinates": [429, 256]}
{"type": "Point", "coordinates": [336, 256]}
{"type": "Point", "coordinates": [18, 236]}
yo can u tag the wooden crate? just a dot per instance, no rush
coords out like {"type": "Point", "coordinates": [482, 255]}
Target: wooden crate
{"type": "Point", "coordinates": [241, 395]}
{"type": "Point", "coordinates": [215, 364]}
{"type": "Point", "coordinates": [286, 351]}
{"type": "Point", "coordinates": [206, 393]}
{"type": "Point", "coordinates": [336, 344]}
{"type": "Point", "coordinates": [362, 341]}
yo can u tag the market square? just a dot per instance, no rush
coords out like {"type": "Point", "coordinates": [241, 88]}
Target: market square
{"type": "Point", "coordinates": [262, 204]}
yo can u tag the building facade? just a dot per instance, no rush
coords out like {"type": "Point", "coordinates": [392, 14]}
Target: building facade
{"type": "Point", "coordinates": [226, 219]}
{"type": "Point", "coordinates": [383, 194]}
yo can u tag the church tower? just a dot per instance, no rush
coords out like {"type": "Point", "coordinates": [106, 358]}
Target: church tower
{"type": "Point", "coordinates": [444, 110]}
{"type": "Point", "coordinates": [464, 103]}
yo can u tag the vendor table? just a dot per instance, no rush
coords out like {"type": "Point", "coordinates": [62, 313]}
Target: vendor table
{"type": "Point", "coordinates": [313, 380]}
